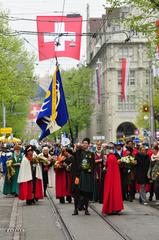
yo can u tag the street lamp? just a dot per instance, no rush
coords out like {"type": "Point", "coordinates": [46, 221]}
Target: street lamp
{"type": "Point", "coordinates": [152, 127]}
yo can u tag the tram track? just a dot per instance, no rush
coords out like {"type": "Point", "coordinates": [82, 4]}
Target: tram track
{"type": "Point", "coordinates": [111, 225]}
{"type": "Point", "coordinates": [69, 236]}
{"type": "Point", "coordinates": [60, 222]}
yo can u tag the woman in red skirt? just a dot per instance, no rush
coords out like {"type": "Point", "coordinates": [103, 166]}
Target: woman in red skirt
{"type": "Point", "coordinates": [30, 178]}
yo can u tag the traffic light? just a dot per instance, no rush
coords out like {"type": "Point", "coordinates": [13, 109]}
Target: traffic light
{"type": "Point", "coordinates": [145, 108]}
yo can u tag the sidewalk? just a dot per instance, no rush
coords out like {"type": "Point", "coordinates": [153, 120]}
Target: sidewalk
{"type": "Point", "coordinates": [20, 221]}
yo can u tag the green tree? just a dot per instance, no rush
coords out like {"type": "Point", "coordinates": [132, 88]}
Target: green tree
{"type": "Point", "coordinates": [17, 80]}
{"type": "Point", "coordinates": [78, 94]}
{"type": "Point", "coordinates": [141, 18]}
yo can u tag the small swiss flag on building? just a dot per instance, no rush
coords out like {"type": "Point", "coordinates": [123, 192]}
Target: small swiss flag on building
{"type": "Point", "coordinates": [33, 112]}
{"type": "Point", "coordinates": [59, 36]}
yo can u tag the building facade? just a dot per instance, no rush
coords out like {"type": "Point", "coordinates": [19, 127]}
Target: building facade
{"type": "Point", "coordinates": [113, 116]}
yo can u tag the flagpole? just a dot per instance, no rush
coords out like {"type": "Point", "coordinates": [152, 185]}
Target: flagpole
{"type": "Point", "coordinates": [57, 63]}
{"type": "Point", "coordinates": [71, 133]}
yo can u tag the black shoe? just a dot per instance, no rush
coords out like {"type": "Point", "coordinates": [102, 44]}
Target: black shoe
{"type": "Point", "coordinates": [130, 199]}
{"type": "Point", "coordinates": [62, 200]}
{"type": "Point", "coordinates": [28, 202]}
{"type": "Point", "coordinates": [33, 201]}
{"type": "Point", "coordinates": [140, 200]}
{"type": "Point", "coordinates": [69, 199]}
{"type": "Point", "coordinates": [150, 198]}
{"type": "Point", "coordinates": [75, 213]}
{"type": "Point", "coordinates": [87, 213]}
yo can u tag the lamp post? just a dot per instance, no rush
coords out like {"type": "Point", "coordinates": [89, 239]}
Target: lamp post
{"type": "Point", "coordinates": [4, 115]}
{"type": "Point", "coordinates": [145, 133]}
{"type": "Point", "coordinates": [150, 87]}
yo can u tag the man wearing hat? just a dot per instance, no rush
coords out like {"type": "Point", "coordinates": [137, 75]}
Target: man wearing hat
{"type": "Point", "coordinates": [119, 153]}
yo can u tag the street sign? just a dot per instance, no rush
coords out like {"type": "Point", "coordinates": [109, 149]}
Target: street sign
{"type": "Point", "coordinates": [5, 130]}
{"type": "Point", "coordinates": [98, 137]}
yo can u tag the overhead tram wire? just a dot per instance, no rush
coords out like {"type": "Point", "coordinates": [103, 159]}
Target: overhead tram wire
{"type": "Point", "coordinates": [31, 13]}
{"type": "Point", "coordinates": [91, 34]}
{"type": "Point", "coordinates": [35, 20]}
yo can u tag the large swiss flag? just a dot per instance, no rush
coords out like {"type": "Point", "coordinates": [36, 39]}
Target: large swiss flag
{"type": "Point", "coordinates": [67, 41]}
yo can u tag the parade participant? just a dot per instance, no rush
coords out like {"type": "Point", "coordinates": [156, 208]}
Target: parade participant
{"type": "Point", "coordinates": [45, 167]}
{"type": "Point", "coordinates": [98, 174]}
{"type": "Point", "coordinates": [130, 144]}
{"type": "Point", "coordinates": [131, 175]}
{"type": "Point", "coordinates": [51, 174]}
{"type": "Point", "coordinates": [62, 181]}
{"type": "Point", "coordinates": [11, 185]}
{"type": "Point", "coordinates": [132, 151]}
{"type": "Point", "coordinates": [30, 178]}
{"type": "Point", "coordinates": [119, 153]}
{"type": "Point", "coordinates": [153, 172]}
{"type": "Point", "coordinates": [5, 155]}
{"type": "Point", "coordinates": [142, 166]}
{"type": "Point", "coordinates": [84, 170]}
{"type": "Point", "coordinates": [150, 152]}
{"type": "Point", "coordinates": [112, 200]}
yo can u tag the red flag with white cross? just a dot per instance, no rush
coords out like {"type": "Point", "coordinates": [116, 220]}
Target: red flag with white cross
{"type": "Point", "coordinates": [34, 110]}
{"type": "Point", "coordinates": [59, 36]}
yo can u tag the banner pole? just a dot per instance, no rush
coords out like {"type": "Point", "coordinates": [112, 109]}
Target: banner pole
{"type": "Point", "coordinates": [71, 133]}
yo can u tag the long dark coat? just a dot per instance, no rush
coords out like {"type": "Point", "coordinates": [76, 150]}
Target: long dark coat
{"type": "Point", "coordinates": [143, 161]}
{"type": "Point", "coordinates": [86, 177]}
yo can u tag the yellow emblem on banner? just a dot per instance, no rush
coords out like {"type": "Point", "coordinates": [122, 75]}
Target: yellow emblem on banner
{"type": "Point", "coordinates": [54, 97]}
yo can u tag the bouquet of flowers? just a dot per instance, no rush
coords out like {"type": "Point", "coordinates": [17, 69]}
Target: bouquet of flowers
{"type": "Point", "coordinates": [10, 169]}
{"type": "Point", "coordinates": [127, 161]}
{"type": "Point", "coordinates": [59, 161]}
{"type": "Point", "coordinates": [85, 165]}
{"type": "Point", "coordinates": [40, 159]}
{"type": "Point", "coordinates": [155, 171]}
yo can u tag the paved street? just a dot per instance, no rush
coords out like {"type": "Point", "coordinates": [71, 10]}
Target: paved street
{"type": "Point", "coordinates": [40, 222]}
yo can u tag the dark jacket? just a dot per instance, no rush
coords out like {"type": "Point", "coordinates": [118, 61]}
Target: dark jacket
{"type": "Point", "coordinates": [143, 161]}
{"type": "Point", "coordinates": [85, 176]}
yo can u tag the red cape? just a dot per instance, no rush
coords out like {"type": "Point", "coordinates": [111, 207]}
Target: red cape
{"type": "Point", "coordinates": [112, 200]}
{"type": "Point", "coordinates": [25, 190]}
{"type": "Point", "coordinates": [62, 183]}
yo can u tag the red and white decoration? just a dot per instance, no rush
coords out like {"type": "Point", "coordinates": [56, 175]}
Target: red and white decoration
{"type": "Point", "coordinates": [157, 33]}
{"type": "Point", "coordinates": [67, 41]}
{"type": "Point", "coordinates": [125, 76]}
{"type": "Point", "coordinates": [34, 110]}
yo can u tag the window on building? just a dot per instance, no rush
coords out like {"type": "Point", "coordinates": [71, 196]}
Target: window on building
{"type": "Point", "coordinates": [134, 32]}
{"type": "Point", "coordinates": [131, 80]}
{"type": "Point", "coordinates": [147, 76]}
{"type": "Point", "coordinates": [119, 77]}
{"type": "Point", "coordinates": [126, 52]}
{"type": "Point", "coordinates": [128, 104]}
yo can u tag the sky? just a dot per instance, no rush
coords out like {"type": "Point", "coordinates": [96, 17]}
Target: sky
{"type": "Point", "coordinates": [32, 8]}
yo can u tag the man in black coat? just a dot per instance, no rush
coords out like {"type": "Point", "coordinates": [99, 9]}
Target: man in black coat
{"type": "Point", "coordinates": [142, 166]}
{"type": "Point", "coordinates": [119, 153]}
{"type": "Point", "coordinates": [83, 169]}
